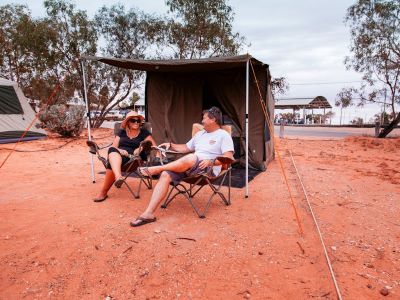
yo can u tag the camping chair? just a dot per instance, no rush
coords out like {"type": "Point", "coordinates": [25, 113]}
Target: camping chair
{"type": "Point", "coordinates": [190, 186]}
{"type": "Point", "coordinates": [128, 168]}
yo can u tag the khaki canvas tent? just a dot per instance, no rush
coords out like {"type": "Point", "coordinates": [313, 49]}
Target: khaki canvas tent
{"type": "Point", "coordinates": [177, 91]}
{"type": "Point", "coordinates": [16, 114]}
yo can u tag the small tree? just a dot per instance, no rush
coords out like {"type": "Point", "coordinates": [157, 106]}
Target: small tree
{"type": "Point", "coordinates": [357, 121]}
{"type": "Point", "coordinates": [375, 45]}
{"type": "Point", "coordinates": [329, 115]}
{"type": "Point", "coordinates": [279, 86]}
{"type": "Point", "coordinates": [130, 102]}
{"type": "Point", "coordinates": [344, 99]}
{"type": "Point", "coordinates": [197, 29]}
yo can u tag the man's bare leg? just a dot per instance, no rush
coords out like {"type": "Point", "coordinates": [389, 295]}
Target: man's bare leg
{"type": "Point", "coordinates": [159, 194]}
{"type": "Point", "coordinates": [180, 165]}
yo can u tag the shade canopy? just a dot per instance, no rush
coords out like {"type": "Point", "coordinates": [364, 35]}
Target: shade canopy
{"type": "Point", "coordinates": [178, 65]}
{"type": "Point", "coordinates": [177, 91]}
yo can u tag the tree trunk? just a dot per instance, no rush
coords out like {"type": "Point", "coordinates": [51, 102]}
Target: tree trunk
{"type": "Point", "coordinates": [386, 130]}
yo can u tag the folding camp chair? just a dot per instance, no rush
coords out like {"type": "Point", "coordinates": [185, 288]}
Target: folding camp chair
{"type": "Point", "coordinates": [190, 186]}
{"type": "Point", "coordinates": [198, 181]}
{"type": "Point", "coordinates": [131, 166]}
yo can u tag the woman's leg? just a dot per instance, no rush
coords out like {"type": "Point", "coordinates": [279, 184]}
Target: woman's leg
{"type": "Point", "coordinates": [115, 160]}
{"type": "Point", "coordinates": [108, 182]}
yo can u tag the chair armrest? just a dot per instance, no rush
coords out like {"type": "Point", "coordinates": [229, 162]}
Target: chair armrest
{"type": "Point", "coordinates": [164, 151]}
{"type": "Point", "coordinates": [94, 148]}
{"type": "Point", "coordinates": [225, 160]}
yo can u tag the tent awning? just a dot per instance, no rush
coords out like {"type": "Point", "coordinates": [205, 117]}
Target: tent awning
{"type": "Point", "coordinates": [177, 65]}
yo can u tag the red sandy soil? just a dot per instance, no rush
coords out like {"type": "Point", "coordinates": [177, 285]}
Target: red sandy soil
{"type": "Point", "coordinates": [56, 243]}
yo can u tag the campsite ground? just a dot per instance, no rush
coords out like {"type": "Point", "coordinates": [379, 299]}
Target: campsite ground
{"type": "Point", "coordinates": [56, 243]}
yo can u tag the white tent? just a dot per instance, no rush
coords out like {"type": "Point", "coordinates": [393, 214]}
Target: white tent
{"type": "Point", "coordinates": [16, 115]}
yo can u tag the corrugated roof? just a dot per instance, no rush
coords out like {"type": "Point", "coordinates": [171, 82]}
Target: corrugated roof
{"type": "Point", "coordinates": [317, 102]}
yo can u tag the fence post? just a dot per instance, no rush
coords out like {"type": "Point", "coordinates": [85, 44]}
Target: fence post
{"type": "Point", "coordinates": [377, 128]}
{"type": "Point", "coordinates": [282, 129]}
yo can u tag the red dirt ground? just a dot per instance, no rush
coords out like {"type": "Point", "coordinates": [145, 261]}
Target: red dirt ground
{"type": "Point", "coordinates": [56, 243]}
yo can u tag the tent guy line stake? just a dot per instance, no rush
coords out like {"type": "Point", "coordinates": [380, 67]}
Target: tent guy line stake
{"type": "Point", "coordinates": [318, 229]}
{"type": "Point", "coordinates": [30, 125]}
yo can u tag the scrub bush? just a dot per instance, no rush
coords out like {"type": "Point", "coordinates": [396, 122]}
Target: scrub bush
{"type": "Point", "coordinates": [63, 120]}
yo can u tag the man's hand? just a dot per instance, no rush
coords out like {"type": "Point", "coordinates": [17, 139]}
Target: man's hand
{"type": "Point", "coordinates": [166, 146]}
{"type": "Point", "coordinates": [205, 163]}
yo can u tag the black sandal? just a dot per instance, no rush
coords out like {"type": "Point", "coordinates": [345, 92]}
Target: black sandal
{"type": "Point", "coordinates": [142, 221]}
{"type": "Point", "coordinates": [100, 199]}
{"type": "Point", "coordinates": [118, 183]}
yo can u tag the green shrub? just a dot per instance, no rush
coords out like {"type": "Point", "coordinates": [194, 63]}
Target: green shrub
{"type": "Point", "coordinates": [62, 120]}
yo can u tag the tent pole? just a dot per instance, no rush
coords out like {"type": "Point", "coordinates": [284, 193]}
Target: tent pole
{"type": "Point", "coordinates": [247, 127]}
{"type": "Point", "coordinates": [87, 118]}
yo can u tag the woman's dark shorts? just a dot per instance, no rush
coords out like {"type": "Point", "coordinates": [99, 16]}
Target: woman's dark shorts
{"type": "Point", "coordinates": [125, 159]}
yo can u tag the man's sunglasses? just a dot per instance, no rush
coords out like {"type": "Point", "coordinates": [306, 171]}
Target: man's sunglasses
{"type": "Point", "coordinates": [135, 121]}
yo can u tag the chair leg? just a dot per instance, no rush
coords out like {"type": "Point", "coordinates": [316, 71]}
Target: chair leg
{"type": "Point", "coordinates": [180, 189]}
{"type": "Point", "coordinates": [190, 192]}
{"type": "Point", "coordinates": [201, 215]}
{"type": "Point", "coordinates": [137, 194]}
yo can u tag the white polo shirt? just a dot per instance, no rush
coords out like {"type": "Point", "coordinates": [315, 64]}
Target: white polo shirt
{"type": "Point", "coordinates": [209, 145]}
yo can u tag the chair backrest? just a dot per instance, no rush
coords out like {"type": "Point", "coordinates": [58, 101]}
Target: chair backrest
{"type": "Point", "coordinates": [196, 127]}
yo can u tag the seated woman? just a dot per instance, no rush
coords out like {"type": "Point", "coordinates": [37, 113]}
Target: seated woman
{"type": "Point", "coordinates": [125, 143]}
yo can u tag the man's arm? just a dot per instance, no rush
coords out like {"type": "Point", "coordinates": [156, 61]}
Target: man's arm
{"type": "Point", "coordinates": [182, 148]}
{"type": "Point", "coordinates": [228, 154]}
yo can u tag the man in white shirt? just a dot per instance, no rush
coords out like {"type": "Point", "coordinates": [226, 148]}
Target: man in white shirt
{"type": "Point", "coordinates": [205, 146]}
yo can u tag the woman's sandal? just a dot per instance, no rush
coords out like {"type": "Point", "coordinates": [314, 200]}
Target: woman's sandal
{"type": "Point", "coordinates": [100, 199]}
{"type": "Point", "coordinates": [118, 183]}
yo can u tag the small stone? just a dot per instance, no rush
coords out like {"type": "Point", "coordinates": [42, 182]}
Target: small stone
{"type": "Point", "coordinates": [260, 253]}
{"type": "Point", "coordinates": [368, 265]}
{"type": "Point", "coordinates": [369, 286]}
{"type": "Point", "coordinates": [384, 292]}
{"type": "Point", "coordinates": [388, 287]}
{"type": "Point", "coordinates": [333, 248]}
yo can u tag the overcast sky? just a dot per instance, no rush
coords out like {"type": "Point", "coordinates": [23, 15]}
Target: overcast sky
{"type": "Point", "coordinates": [304, 41]}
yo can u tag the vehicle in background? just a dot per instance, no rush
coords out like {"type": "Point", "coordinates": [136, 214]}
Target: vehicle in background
{"type": "Point", "coordinates": [114, 115]}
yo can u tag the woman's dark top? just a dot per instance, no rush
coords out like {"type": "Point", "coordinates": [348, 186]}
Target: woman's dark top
{"type": "Point", "coordinates": [129, 144]}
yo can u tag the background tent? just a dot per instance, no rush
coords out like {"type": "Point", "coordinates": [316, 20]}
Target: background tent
{"type": "Point", "coordinates": [178, 90]}
{"type": "Point", "coordinates": [15, 114]}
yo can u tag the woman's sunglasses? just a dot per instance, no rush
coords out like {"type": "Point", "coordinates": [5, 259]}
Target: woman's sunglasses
{"type": "Point", "coordinates": [135, 121]}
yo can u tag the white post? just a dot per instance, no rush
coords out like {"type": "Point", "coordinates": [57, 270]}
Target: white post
{"type": "Point", "coordinates": [247, 127]}
{"type": "Point", "coordinates": [87, 118]}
